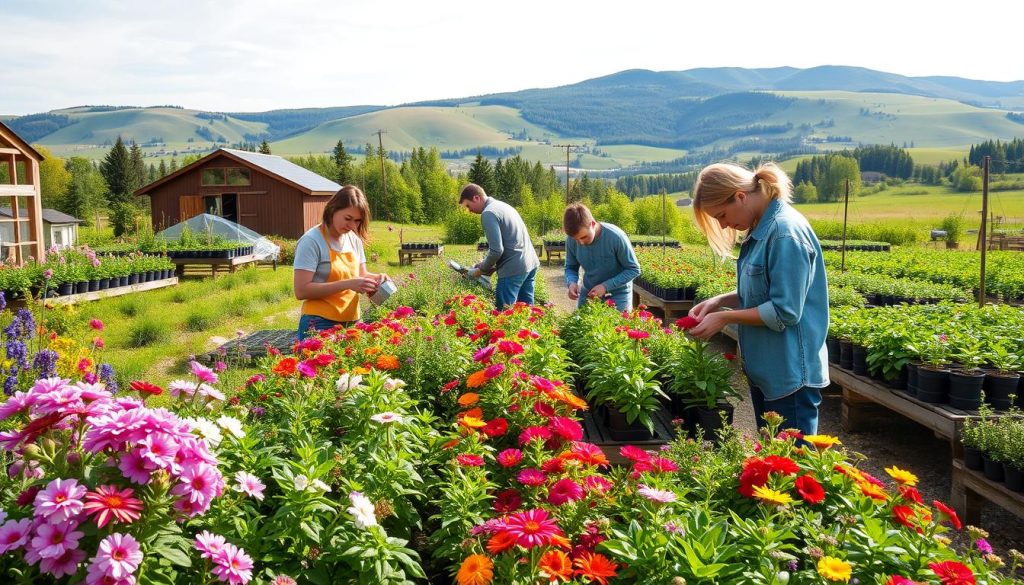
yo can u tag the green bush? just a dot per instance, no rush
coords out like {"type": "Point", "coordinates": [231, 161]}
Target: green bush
{"type": "Point", "coordinates": [145, 332]}
{"type": "Point", "coordinates": [462, 228]}
{"type": "Point", "coordinates": [129, 307]}
{"type": "Point", "coordinates": [200, 320]}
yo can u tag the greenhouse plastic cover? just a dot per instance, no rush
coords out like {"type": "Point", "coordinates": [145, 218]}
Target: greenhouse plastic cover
{"type": "Point", "coordinates": [226, 229]}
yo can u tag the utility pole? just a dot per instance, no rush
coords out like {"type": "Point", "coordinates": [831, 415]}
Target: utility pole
{"type": "Point", "coordinates": [383, 172]}
{"type": "Point", "coordinates": [568, 148]}
{"type": "Point", "coordinates": [984, 229]}
{"type": "Point", "coordinates": [846, 215]}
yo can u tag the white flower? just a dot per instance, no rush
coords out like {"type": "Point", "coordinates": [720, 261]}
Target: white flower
{"type": "Point", "coordinates": [393, 384]}
{"type": "Point", "coordinates": [178, 387]}
{"type": "Point", "coordinates": [207, 430]}
{"type": "Point", "coordinates": [363, 511]}
{"type": "Point", "coordinates": [317, 484]}
{"type": "Point", "coordinates": [656, 495]}
{"type": "Point", "coordinates": [231, 425]}
{"type": "Point", "coordinates": [349, 382]}
{"type": "Point", "coordinates": [387, 417]}
{"type": "Point", "coordinates": [301, 483]}
{"type": "Point", "coordinates": [211, 392]}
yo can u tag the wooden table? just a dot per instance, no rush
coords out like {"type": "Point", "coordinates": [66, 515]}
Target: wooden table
{"type": "Point", "coordinates": [971, 489]}
{"type": "Point", "coordinates": [670, 310]}
{"type": "Point", "coordinates": [554, 252]}
{"type": "Point", "coordinates": [215, 264]}
{"type": "Point", "coordinates": [108, 292]}
{"type": "Point", "coordinates": [410, 255]}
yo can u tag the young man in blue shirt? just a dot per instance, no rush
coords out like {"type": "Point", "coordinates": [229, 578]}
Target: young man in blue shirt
{"type": "Point", "coordinates": [605, 254]}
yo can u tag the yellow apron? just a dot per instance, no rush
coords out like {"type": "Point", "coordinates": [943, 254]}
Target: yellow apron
{"type": "Point", "coordinates": [340, 306]}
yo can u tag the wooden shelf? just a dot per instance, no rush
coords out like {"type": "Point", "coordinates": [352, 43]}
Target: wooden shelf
{"type": "Point", "coordinates": [971, 489]}
{"type": "Point", "coordinates": [112, 292]}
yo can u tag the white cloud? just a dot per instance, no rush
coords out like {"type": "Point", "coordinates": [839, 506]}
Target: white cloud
{"type": "Point", "coordinates": [257, 54]}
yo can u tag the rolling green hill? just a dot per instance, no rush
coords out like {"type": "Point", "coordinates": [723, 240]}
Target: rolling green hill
{"type": "Point", "coordinates": [144, 125]}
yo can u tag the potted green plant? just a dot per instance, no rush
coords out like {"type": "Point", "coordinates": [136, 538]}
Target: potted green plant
{"type": "Point", "coordinates": [966, 381]}
{"type": "Point", "coordinates": [933, 373]}
{"type": "Point", "coordinates": [1013, 454]}
{"type": "Point", "coordinates": [953, 225]}
{"type": "Point", "coordinates": [702, 378]}
{"type": "Point", "coordinates": [1002, 380]}
{"type": "Point", "coordinates": [625, 382]}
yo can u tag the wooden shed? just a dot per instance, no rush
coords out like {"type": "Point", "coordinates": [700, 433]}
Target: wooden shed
{"type": "Point", "coordinates": [59, 229]}
{"type": "Point", "coordinates": [262, 192]}
{"type": "Point", "coordinates": [21, 192]}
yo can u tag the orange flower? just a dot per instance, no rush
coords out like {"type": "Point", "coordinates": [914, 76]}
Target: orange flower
{"type": "Point", "coordinates": [372, 350]}
{"type": "Point", "coordinates": [388, 362]}
{"type": "Point", "coordinates": [569, 398]}
{"type": "Point", "coordinates": [285, 367]}
{"type": "Point", "coordinates": [476, 570]}
{"type": "Point", "coordinates": [476, 379]}
{"type": "Point", "coordinates": [469, 399]}
{"type": "Point", "coordinates": [873, 491]}
{"type": "Point", "coordinates": [556, 565]}
{"type": "Point", "coordinates": [360, 371]}
{"type": "Point", "coordinates": [501, 542]}
{"type": "Point", "coordinates": [595, 567]}
{"type": "Point", "coordinates": [472, 422]}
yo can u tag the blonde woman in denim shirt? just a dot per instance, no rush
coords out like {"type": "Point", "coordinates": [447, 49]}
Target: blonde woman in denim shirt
{"type": "Point", "coordinates": [781, 299]}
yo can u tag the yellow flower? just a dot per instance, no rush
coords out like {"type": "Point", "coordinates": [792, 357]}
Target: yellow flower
{"type": "Point", "coordinates": [822, 442]}
{"type": "Point", "coordinates": [472, 422]}
{"type": "Point", "coordinates": [873, 491]}
{"type": "Point", "coordinates": [770, 496]}
{"type": "Point", "coordinates": [834, 569]}
{"type": "Point", "coordinates": [901, 476]}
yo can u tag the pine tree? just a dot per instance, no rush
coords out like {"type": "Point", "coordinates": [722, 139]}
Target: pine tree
{"type": "Point", "coordinates": [173, 166]}
{"type": "Point", "coordinates": [138, 168]}
{"type": "Point", "coordinates": [482, 173]}
{"type": "Point", "coordinates": [117, 171]}
{"type": "Point", "coordinates": [343, 165]}
{"type": "Point", "coordinates": [161, 171]}
{"type": "Point", "coordinates": [264, 147]}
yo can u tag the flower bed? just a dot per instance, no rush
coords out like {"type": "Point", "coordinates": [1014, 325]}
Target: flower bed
{"type": "Point", "coordinates": [421, 446]}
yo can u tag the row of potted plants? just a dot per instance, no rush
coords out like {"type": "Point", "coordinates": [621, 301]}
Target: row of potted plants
{"type": "Point", "coordinates": [77, 270]}
{"type": "Point", "coordinates": [995, 446]}
{"type": "Point", "coordinates": [944, 353]}
{"type": "Point", "coordinates": [684, 274]}
{"type": "Point", "coordinates": [856, 245]}
{"type": "Point", "coordinates": [882, 290]}
{"type": "Point", "coordinates": [1004, 275]}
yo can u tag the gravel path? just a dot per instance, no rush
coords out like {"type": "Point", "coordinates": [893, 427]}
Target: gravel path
{"type": "Point", "coordinates": [892, 440]}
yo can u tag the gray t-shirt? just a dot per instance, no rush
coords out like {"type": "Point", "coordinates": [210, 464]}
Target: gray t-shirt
{"type": "Point", "coordinates": [311, 252]}
{"type": "Point", "coordinates": [510, 251]}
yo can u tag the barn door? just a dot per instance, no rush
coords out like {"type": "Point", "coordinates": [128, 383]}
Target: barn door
{"type": "Point", "coordinates": [189, 206]}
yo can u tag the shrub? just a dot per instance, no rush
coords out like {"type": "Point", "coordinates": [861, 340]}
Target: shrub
{"type": "Point", "coordinates": [146, 332]}
{"type": "Point", "coordinates": [462, 228]}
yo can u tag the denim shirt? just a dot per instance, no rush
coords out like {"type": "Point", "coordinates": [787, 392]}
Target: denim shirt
{"type": "Point", "coordinates": [780, 271]}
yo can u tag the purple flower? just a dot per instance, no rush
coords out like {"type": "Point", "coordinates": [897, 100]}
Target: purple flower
{"type": "Point", "coordinates": [209, 544]}
{"type": "Point", "coordinates": [202, 372]}
{"type": "Point", "coordinates": [45, 363]}
{"type": "Point", "coordinates": [249, 485]}
{"type": "Point", "coordinates": [220, 367]}
{"type": "Point", "coordinates": [48, 274]}
{"type": "Point", "coordinates": [107, 377]}
{"type": "Point", "coordinates": [14, 534]}
{"type": "Point", "coordinates": [983, 546]}
{"type": "Point", "coordinates": [65, 564]}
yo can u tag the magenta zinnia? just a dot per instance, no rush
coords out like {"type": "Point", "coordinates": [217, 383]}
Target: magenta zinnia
{"type": "Point", "coordinates": [109, 503]}
{"type": "Point", "coordinates": [532, 528]}
{"type": "Point", "coordinates": [60, 501]}
{"type": "Point", "coordinates": [564, 491]}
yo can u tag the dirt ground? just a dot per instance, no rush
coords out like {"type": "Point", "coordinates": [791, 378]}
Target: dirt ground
{"type": "Point", "coordinates": [891, 440]}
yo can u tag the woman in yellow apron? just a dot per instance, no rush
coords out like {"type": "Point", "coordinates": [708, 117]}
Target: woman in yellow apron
{"type": "Point", "coordinates": [330, 264]}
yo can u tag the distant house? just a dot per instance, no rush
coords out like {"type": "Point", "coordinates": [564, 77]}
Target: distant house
{"type": "Point", "coordinates": [871, 177]}
{"type": "Point", "coordinates": [262, 192]}
{"type": "Point", "coordinates": [59, 229]}
{"type": "Point", "coordinates": [19, 163]}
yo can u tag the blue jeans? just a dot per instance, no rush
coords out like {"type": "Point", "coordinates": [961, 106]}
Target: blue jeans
{"type": "Point", "coordinates": [799, 410]}
{"type": "Point", "coordinates": [623, 300]}
{"type": "Point", "coordinates": [512, 289]}
{"type": "Point", "coordinates": [316, 323]}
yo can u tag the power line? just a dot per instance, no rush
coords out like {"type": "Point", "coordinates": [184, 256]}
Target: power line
{"type": "Point", "coordinates": [568, 148]}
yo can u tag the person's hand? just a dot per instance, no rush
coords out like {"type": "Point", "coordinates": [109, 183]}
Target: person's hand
{"type": "Point", "coordinates": [475, 272]}
{"type": "Point", "coordinates": [382, 278]}
{"type": "Point", "coordinates": [704, 308]}
{"type": "Point", "coordinates": [574, 291]}
{"type": "Point", "coordinates": [362, 284]}
{"type": "Point", "coordinates": [597, 292]}
{"type": "Point", "coordinates": [709, 325]}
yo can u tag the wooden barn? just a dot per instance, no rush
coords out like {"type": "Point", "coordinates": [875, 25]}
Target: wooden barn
{"type": "Point", "coordinates": [20, 190]}
{"type": "Point", "coordinates": [262, 192]}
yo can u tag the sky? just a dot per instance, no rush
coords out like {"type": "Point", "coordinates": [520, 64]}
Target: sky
{"type": "Point", "coordinates": [256, 55]}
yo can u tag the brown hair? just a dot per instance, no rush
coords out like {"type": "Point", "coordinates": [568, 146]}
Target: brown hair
{"type": "Point", "coordinates": [576, 218]}
{"type": "Point", "coordinates": [717, 185]}
{"type": "Point", "coordinates": [349, 196]}
{"type": "Point", "coordinates": [470, 191]}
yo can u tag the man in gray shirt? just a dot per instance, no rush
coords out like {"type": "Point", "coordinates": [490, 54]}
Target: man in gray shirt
{"type": "Point", "coordinates": [606, 255]}
{"type": "Point", "coordinates": [510, 252]}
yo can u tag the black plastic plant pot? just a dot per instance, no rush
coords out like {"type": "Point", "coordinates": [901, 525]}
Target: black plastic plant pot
{"type": "Point", "coordinates": [932, 385]}
{"type": "Point", "coordinates": [999, 387]}
{"type": "Point", "coordinates": [620, 430]}
{"type": "Point", "coordinates": [993, 470]}
{"type": "Point", "coordinates": [860, 360]}
{"type": "Point", "coordinates": [965, 389]}
{"type": "Point", "coordinates": [972, 459]}
{"type": "Point", "coordinates": [65, 289]}
{"type": "Point", "coordinates": [81, 286]}
{"type": "Point", "coordinates": [846, 354]}
{"type": "Point", "coordinates": [94, 285]}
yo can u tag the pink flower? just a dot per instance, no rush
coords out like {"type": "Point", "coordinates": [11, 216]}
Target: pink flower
{"type": "Point", "coordinates": [564, 491]}
{"type": "Point", "coordinates": [655, 495]}
{"type": "Point", "coordinates": [232, 565]}
{"type": "Point", "coordinates": [60, 501]}
{"type": "Point", "coordinates": [493, 371]}
{"type": "Point", "coordinates": [597, 483]}
{"type": "Point", "coordinates": [65, 564]}
{"type": "Point", "coordinates": [510, 347]}
{"type": "Point", "coordinates": [16, 404]}
{"type": "Point", "coordinates": [566, 428]}
{"type": "Point", "coordinates": [203, 373]}
{"type": "Point", "coordinates": [249, 485]}
{"type": "Point", "coordinates": [469, 460]}
{"type": "Point", "coordinates": [484, 353]}
{"type": "Point", "coordinates": [108, 503]}
{"type": "Point", "coordinates": [199, 484]}
{"type": "Point", "coordinates": [532, 433]}
{"type": "Point", "coordinates": [507, 501]}
{"type": "Point", "coordinates": [209, 544]}
{"type": "Point", "coordinates": [542, 384]}
{"type": "Point", "coordinates": [509, 457]}
{"type": "Point", "coordinates": [532, 528]}
{"type": "Point", "coordinates": [135, 467]}
{"type": "Point", "coordinates": [637, 334]}
{"type": "Point", "coordinates": [96, 324]}
{"type": "Point", "coordinates": [634, 454]}
{"type": "Point", "coordinates": [386, 417]}
{"type": "Point", "coordinates": [159, 449]}
{"type": "Point", "coordinates": [52, 540]}
{"type": "Point", "coordinates": [14, 534]}
{"type": "Point", "coordinates": [307, 368]}
{"type": "Point", "coordinates": [98, 342]}
{"type": "Point", "coordinates": [687, 322]}
{"type": "Point", "coordinates": [531, 477]}
{"type": "Point", "coordinates": [220, 367]}
{"type": "Point", "coordinates": [119, 555]}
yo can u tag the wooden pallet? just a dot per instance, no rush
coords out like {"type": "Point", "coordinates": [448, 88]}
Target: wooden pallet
{"type": "Point", "coordinates": [112, 292]}
{"type": "Point", "coordinates": [971, 490]}
{"type": "Point", "coordinates": [669, 310]}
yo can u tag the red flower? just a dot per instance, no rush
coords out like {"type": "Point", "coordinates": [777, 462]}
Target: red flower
{"type": "Point", "coordinates": [450, 385]}
{"type": "Point", "coordinates": [755, 474]}
{"type": "Point", "coordinates": [566, 428]}
{"type": "Point", "coordinates": [782, 465]}
{"type": "Point", "coordinates": [729, 356]}
{"type": "Point", "coordinates": [495, 427]}
{"type": "Point", "coordinates": [634, 454]}
{"type": "Point", "coordinates": [507, 501]}
{"type": "Point", "coordinates": [595, 567]}
{"type": "Point", "coordinates": [469, 460]}
{"type": "Point", "coordinates": [947, 513]}
{"type": "Point", "coordinates": [900, 580]}
{"type": "Point", "coordinates": [953, 573]}
{"type": "Point", "coordinates": [146, 388]}
{"type": "Point", "coordinates": [906, 516]}
{"type": "Point", "coordinates": [911, 494]}
{"type": "Point", "coordinates": [809, 489]}
{"type": "Point", "coordinates": [687, 322]}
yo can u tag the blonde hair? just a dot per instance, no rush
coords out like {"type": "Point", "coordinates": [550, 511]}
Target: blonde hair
{"type": "Point", "coordinates": [718, 184]}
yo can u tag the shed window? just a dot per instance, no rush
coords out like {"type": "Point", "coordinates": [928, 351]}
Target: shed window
{"type": "Point", "coordinates": [225, 176]}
